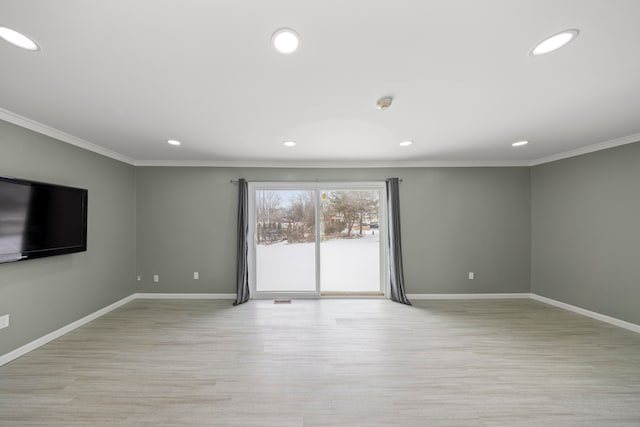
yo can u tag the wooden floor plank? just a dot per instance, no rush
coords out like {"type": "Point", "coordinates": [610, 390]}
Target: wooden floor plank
{"type": "Point", "coordinates": [329, 362]}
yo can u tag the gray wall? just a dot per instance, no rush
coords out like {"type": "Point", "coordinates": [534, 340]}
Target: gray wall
{"type": "Point", "coordinates": [45, 294]}
{"type": "Point", "coordinates": [586, 231]}
{"type": "Point", "coordinates": [567, 230]}
{"type": "Point", "coordinates": [454, 220]}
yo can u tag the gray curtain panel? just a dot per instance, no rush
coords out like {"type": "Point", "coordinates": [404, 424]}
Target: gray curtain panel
{"type": "Point", "coordinates": [242, 266]}
{"type": "Point", "coordinates": [396, 273]}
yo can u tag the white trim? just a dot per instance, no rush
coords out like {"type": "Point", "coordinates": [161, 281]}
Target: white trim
{"type": "Point", "coordinates": [416, 297]}
{"type": "Point", "coordinates": [183, 296]}
{"type": "Point", "coordinates": [27, 123]}
{"type": "Point", "coordinates": [316, 187]}
{"type": "Point", "coordinates": [33, 125]}
{"type": "Point", "coordinates": [629, 139]}
{"type": "Point", "coordinates": [336, 164]}
{"type": "Point", "coordinates": [352, 296]}
{"type": "Point", "coordinates": [266, 295]}
{"type": "Point", "coordinates": [20, 351]}
{"type": "Point", "coordinates": [603, 318]}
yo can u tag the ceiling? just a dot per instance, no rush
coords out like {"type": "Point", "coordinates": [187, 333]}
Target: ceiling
{"type": "Point", "coordinates": [122, 77]}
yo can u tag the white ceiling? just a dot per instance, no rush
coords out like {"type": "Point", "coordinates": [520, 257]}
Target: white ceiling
{"type": "Point", "coordinates": [128, 75]}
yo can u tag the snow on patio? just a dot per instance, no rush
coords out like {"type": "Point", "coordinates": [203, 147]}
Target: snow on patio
{"type": "Point", "coordinates": [347, 265]}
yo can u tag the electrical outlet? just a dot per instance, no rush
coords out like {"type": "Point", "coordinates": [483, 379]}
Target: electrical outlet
{"type": "Point", "coordinates": [471, 275]}
{"type": "Point", "coordinates": [139, 278]}
{"type": "Point", "coordinates": [4, 321]}
{"type": "Point", "coordinates": [156, 278]}
{"type": "Point", "coordinates": [196, 275]}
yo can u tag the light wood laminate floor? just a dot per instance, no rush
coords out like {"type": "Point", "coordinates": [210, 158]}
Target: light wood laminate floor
{"type": "Point", "coordinates": [330, 362]}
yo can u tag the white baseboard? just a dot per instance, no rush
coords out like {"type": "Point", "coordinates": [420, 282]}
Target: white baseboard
{"type": "Point", "coordinates": [12, 355]}
{"type": "Point", "coordinates": [523, 295]}
{"type": "Point", "coordinates": [20, 351]}
{"type": "Point", "coordinates": [183, 296]}
{"type": "Point", "coordinates": [603, 318]}
{"type": "Point", "coordinates": [6, 358]}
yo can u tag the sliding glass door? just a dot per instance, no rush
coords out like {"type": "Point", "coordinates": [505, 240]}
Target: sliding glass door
{"type": "Point", "coordinates": [311, 239]}
{"type": "Point", "coordinates": [285, 237]}
{"type": "Point", "coordinates": [350, 241]}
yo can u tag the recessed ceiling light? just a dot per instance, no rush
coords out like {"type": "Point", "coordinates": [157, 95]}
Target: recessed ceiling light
{"type": "Point", "coordinates": [174, 142]}
{"type": "Point", "coordinates": [554, 42]}
{"type": "Point", "coordinates": [406, 143]}
{"type": "Point", "coordinates": [285, 40]}
{"type": "Point", "coordinates": [519, 143]}
{"type": "Point", "coordinates": [18, 39]}
{"type": "Point", "coordinates": [289, 144]}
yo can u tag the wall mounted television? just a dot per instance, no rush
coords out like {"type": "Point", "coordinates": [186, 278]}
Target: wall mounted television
{"type": "Point", "coordinates": [39, 220]}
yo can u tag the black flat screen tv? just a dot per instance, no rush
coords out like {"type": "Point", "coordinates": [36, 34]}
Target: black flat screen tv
{"type": "Point", "coordinates": [40, 220]}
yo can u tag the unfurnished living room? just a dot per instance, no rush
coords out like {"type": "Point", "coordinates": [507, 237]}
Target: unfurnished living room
{"type": "Point", "coordinates": [320, 213]}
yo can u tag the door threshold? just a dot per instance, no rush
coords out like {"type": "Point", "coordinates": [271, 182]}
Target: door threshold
{"type": "Point", "coordinates": [352, 294]}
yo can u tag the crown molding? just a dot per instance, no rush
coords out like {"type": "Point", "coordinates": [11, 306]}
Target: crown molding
{"type": "Point", "coordinates": [27, 123]}
{"type": "Point", "coordinates": [35, 126]}
{"type": "Point", "coordinates": [629, 139]}
{"type": "Point", "coordinates": [328, 165]}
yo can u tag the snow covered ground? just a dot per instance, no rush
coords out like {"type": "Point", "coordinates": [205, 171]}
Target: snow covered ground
{"type": "Point", "coordinates": [347, 265]}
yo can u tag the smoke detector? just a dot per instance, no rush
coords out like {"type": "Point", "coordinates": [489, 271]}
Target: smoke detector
{"type": "Point", "coordinates": [384, 103]}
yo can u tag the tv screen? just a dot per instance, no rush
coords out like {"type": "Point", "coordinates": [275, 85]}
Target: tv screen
{"type": "Point", "coordinates": [39, 220]}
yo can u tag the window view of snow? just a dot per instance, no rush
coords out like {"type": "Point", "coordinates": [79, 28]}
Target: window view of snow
{"type": "Point", "coordinates": [349, 240]}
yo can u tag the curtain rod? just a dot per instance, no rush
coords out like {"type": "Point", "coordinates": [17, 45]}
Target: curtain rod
{"type": "Point", "coordinates": [330, 181]}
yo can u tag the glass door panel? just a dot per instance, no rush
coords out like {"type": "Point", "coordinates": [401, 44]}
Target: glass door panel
{"type": "Point", "coordinates": [350, 241]}
{"type": "Point", "coordinates": [285, 237]}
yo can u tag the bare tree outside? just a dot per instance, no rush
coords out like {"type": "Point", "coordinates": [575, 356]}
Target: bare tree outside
{"type": "Point", "coordinates": [300, 217]}
{"type": "Point", "coordinates": [288, 245]}
{"type": "Point", "coordinates": [269, 204]}
{"type": "Point", "coordinates": [290, 215]}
